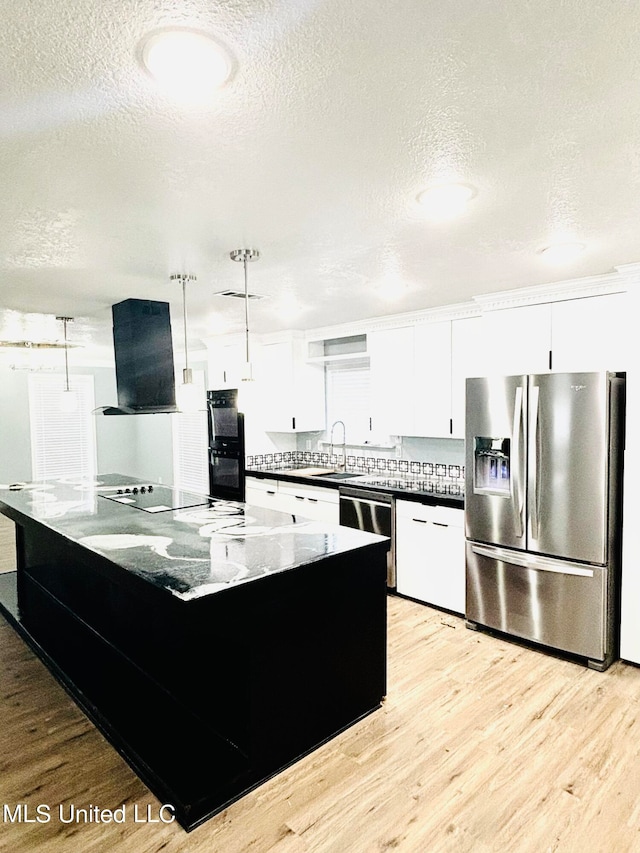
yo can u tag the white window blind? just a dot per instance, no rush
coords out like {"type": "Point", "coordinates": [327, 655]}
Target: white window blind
{"type": "Point", "coordinates": [347, 394]}
{"type": "Point", "coordinates": [190, 442]}
{"type": "Point", "coordinates": [62, 443]}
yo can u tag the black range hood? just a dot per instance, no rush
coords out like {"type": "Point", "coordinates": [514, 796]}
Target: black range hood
{"type": "Point", "coordinates": [145, 375]}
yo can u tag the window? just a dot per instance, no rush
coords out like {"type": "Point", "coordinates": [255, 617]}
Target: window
{"type": "Point", "coordinates": [347, 396]}
{"type": "Point", "coordinates": [63, 444]}
{"type": "Point", "coordinates": [190, 445]}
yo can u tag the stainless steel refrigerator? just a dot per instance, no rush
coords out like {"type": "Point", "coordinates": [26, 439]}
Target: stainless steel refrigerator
{"type": "Point", "coordinates": [543, 509]}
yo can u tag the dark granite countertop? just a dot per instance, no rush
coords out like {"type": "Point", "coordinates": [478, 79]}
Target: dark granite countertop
{"type": "Point", "coordinates": [413, 487]}
{"type": "Point", "coordinates": [191, 552]}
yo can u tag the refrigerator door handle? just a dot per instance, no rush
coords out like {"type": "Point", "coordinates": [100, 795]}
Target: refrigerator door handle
{"type": "Point", "coordinates": [518, 487]}
{"type": "Point", "coordinates": [534, 460]}
{"type": "Point", "coordinates": [532, 561]}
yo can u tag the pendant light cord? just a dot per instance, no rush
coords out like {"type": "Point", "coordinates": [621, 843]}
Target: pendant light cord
{"type": "Point", "coordinates": [184, 314]}
{"type": "Point", "coordinates": [246, 309]}
{"type": "Point", "coordinates": [66, 356]}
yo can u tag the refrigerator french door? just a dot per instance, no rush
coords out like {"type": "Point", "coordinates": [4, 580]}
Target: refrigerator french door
{"type": "Point", "coordinates": [542, 509]}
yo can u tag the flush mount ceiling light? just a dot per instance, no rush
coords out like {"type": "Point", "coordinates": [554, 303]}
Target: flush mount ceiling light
{"type": "Point", "coordinates": [445, 201]}
{"type": "Point", "coordinates": [562, 253]}
{"type": "Point", "coordinates": [186, 63]}
{"type": "Point", "coordinates": [188, 396]}
{"type": "Point", "coordinates": [245, 256]}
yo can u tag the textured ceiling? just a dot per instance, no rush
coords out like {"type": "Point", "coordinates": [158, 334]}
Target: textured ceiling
{"type": "Point", "coordinates": [337, 115]}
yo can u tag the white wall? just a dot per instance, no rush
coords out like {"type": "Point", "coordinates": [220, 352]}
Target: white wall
{"type": "Point", "coordinates": [140, 445]}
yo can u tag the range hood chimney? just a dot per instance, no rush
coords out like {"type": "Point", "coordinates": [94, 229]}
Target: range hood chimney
{"type": "Point", "coordinates": [143, 346]}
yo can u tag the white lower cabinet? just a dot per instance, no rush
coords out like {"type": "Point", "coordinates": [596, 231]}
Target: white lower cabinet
{"type": "Point", "coordinates": [262, 492]}
{"type": "Point", "coordinates": [315, 502]}
{"type": "Point", "coordinates": [430, 554]}
{"type": "Point", "coordinates": [318, 503]}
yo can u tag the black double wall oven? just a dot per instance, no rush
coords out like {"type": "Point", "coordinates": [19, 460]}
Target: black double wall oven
{"type": "Point", "coordinates": [226, 445]}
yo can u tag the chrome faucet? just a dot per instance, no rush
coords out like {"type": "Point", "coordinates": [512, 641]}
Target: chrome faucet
{"type": "Point", "coordinates": [341, 465]}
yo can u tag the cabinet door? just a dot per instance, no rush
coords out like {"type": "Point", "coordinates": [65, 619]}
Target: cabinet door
{"type": "Point", "coordinates": [292, 391]}
{"type": "Point", "coordinates": [262, 492]}
{"type": "Point", "coordinates": [516, 341]}
{"type": "Point", "coordinates": [226, 365]}
{"type": "Point", "coordinates": [432, 380]}
{"type": "Point", "coordinates": [589, 334]}
{"type": "Point", "coordinates": [466, 350]}
{"type": "Point", "coordinates": [391, 360]}
{"type": "Point", "coordinates": [430, 560]}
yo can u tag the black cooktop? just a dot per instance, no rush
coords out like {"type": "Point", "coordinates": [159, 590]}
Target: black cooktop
{"type": "Point", "coordinates": [153, 498]}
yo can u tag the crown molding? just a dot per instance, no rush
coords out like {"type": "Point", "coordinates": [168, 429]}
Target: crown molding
{"type": "Point", "coordinates": [619, 280]}
{"type": "Point", "coordinates": [616, 281]}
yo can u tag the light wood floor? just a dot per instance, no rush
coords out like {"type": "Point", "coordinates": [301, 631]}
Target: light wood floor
{"type": "Point", "coordinates": [482, 745]}
{"type": "Point", "coordinates": [7, 545]}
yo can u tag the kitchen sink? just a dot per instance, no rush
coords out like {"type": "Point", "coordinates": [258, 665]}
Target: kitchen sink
{"type": "Point", "coordinates": [337, 475]}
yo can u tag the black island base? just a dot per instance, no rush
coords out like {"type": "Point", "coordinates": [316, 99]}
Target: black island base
{"type": "Point", "coordinates": [206, 687]}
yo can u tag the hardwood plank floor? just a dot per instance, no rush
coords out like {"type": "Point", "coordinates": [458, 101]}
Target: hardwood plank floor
{"type": "Point", "coordinates": [482, 745]}
{"type": "Point", "coordinates": [7, 545]}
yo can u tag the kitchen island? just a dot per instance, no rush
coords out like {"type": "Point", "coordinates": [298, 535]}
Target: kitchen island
{"type": "Point", "coordinates": [214, 643]}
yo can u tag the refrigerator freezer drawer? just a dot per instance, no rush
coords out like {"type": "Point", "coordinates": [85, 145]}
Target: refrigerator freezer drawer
{"type": "Point", "coordinates": [553, 602]}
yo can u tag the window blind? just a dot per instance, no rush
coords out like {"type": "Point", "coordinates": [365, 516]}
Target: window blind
{"type": "Point", "coordinates": [190, 441]}
{"type": "Point", "coordinates": [348, 396]}
{"type": "Point", "coordinates": [62, 443]}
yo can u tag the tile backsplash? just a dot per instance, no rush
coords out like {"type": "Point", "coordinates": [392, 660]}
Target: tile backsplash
{"type": "Point", "coordinates": [364, 464]}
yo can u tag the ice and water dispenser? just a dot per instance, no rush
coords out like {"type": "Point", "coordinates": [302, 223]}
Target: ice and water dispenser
{"type": "Point", "coordinates": [492, 466]}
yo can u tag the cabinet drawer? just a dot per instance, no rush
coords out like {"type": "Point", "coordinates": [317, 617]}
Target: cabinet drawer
{"type": "Point", "coordinates": [444, 515]}
{"type": "Point", "coordinates": [263, 484]}
{"type": "Point", "coordinates": [312, 493]}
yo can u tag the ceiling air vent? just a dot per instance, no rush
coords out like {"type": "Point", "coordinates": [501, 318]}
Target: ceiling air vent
{"type": "Point", "coordinates": [238, 294]}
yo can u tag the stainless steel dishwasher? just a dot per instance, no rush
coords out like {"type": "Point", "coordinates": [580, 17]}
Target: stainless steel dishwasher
{"type": "Point", "coordinates": [373, 512]}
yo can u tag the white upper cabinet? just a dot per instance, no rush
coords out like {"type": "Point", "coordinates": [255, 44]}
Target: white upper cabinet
{"type": "Point", "coordinates": [227, 361]}
{"type": "Point", "coordinates": [410, 376]}
{"type": "Point", "coordinates": [588, 334]}
{"type": "Point", "coordinates": [466, 361]}
{"type": "Point", "coordinates": [391, 365]}
{"type": "Point", "coordinates": [515, 341]}
{"type": "Point", "coordinates": [291, 390]}
{"type": "Point", "coordinates": [432, 380]}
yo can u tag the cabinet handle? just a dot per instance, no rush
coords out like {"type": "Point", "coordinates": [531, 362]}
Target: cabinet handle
{"type": "Point", "coordinates": [270, 493]}
{"type": "Point", "coordinates": [293, 423]}
{"type": "Point", "coordinates": [299, 497]}
{"type": "Point", "coordinates": [313, 500]}
{"type": "Point", "coordinates": [439, 524]}
{"type": "Point", "coordinates": [419, 520]}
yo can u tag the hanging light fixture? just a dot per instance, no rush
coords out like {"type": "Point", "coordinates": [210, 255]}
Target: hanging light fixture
{"type": "Point", "coordinates": [69, 399]}
{"type": "Point", "coordinates": [246, 256]}
{"type": "Point", "coordinates": [188, 395]}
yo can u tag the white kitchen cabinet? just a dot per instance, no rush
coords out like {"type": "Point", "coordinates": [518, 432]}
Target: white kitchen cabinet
{"type": "Point", "coordinates": [314, 502]}
{"type": "Point", "coordinates": [466, 361]}
{"type": "Point", "coordinates": [319, 503]}
{"type": "Point", "coordinates": [291, 389]}
{"type": "Point", "coordinates": [226, 366]}
{"type": "Point", "coordinates": [515, 341]}
{"type": "Point", "coordinates": [431, 393]}
{"type": "Point", "coordinates": [391, 381]}
{"type": "Point", "coordinates": [262, 492]}
{"type": "Point", "coordinates": [589, 334]}
{"type": "Point", "coordinates": [430, 557]}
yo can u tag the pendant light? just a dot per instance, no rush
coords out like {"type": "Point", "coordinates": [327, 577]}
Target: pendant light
{"type": "Point", "coordinates": [69, 398]}
{"type": "Point", "coordinates": [246, 256]}
{"type": "Point", "coordinates": [188, 396]}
